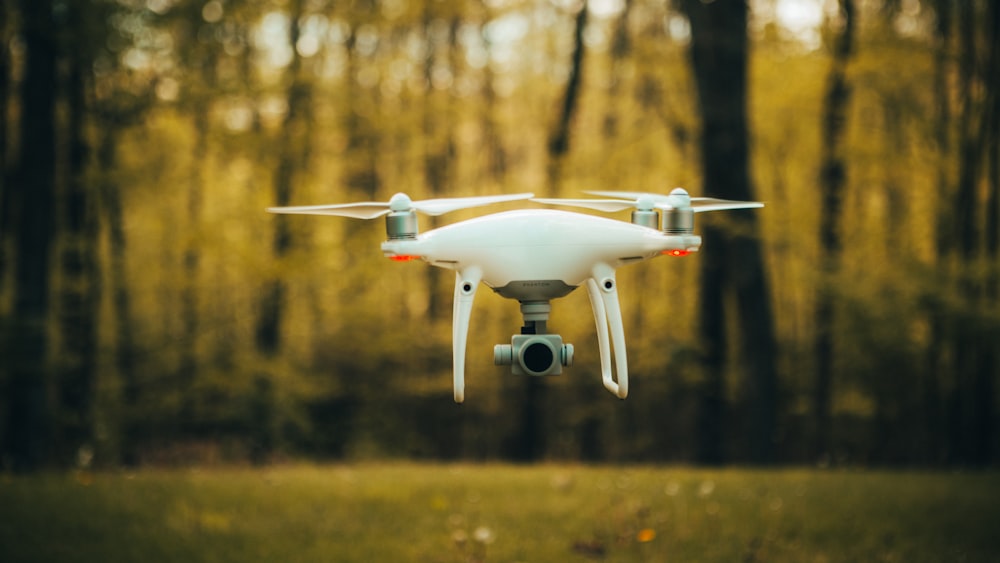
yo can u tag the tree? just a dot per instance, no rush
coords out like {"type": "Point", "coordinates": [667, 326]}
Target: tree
{"type": "Point", "coordinates": [990, 369]}
{"type": "Point", "coordinates": [201, 60]}
{"type": "Point", "coordinates": [293, 159]}
{"type": "Point", "coordinates": [361, 174]}
{"type": "Point", "coordinates": [559, 139]}
{"type": "Point", "coordinates": [33, 206]}
{"type": "Point", "coordinates": [733, 268]}
{"type": "Point", "coordinates": [438, 132]}
{"type": "Point", "coordinates": [833, 182]}
{"type": "Point", "coordinates": [972, 397]}
{"type": "Point", "coordinates": [79, 287]}
{"type": "Point", "coordinates": [5, 191]}
{"type": "Point", "coordinates": [940, 326]}
{"type": "Point", "coordinates": [114, 106]}
{"type": "Point", "coordinates": [111, 120]}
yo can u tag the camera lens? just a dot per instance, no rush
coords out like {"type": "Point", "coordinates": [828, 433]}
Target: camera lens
{"type": "Point", "coordinates": [537, 357]}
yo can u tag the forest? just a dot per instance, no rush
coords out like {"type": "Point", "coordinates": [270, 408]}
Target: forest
{"type": "Point", "coordinates": [152, 312]}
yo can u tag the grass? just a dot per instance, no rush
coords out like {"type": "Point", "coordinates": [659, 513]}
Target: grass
{"type": "Point", "coordinates": [458, 513]}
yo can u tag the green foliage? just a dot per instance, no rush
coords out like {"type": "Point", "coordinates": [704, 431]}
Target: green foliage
{"type": "Point", "coordinates": [498, 513]}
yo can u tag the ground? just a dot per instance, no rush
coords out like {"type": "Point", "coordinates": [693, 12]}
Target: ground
{"type": "Point", "coordinates": [455, 513]}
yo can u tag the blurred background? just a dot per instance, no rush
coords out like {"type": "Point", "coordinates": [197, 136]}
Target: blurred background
{"type": "Point", "coordinates": [151, 312]}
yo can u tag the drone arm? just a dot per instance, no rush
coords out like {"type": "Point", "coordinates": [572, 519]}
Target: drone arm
{"type": "Point", "coordinates": [466, 283]}
{"type": "Point", "coordinates": [603, 292]}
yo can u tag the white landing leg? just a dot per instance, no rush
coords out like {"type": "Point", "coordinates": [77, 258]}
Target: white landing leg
{"type": "Point", "coordinates": [466, 283]}
{"type": "Point", "coordinates": [603, 292]}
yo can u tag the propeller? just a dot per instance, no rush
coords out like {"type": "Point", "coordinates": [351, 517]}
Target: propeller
{"type": "Point", "coordinates": [677, 200]}
{"type": "Point", "coordinates": [399, 203]}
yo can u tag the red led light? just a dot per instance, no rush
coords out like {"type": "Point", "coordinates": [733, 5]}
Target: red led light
{"type": "Point", "coordinates": [403, 258]}
{"type": "Point", "coordinates": [676, 252]}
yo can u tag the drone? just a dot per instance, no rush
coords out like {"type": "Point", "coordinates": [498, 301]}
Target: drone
{"type": "Point", "coordinates": [535, 256]}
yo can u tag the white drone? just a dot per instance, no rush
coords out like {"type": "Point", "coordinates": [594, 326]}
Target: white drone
{"type": "Point", "coordinates": [534, 256]}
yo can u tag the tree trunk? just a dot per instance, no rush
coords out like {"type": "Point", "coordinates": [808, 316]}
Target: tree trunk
{"type": "Point", "coordinates": [620, 49]}
{"type": "Point", "coordinates": [559, 140]}
{"type": "Point", "coordinates": [121, 299]}
{"type": "Point", "coordinates": [439, 149]}
{"type": "Point", "coordinates": [711, 412]}
{"type": "Point", "coordinates": [361, 154]}
{"type": "Point", "coordinates": [5, 187]}
{"type": "Point", "coordinates": [732, 264]}
{"type": "Point", "coordinates": [967, 331]}
{"type": "Point", "coordinates": [492, 144]}
{"type": "Point", "coordinates": [293, 157]}
{"type": "Point", "coordinates": [939, 339]}
{"type": "Point", "coordinates": [988, 368]}
{"type": "Point", "coordinates": [33, 205]}
{"type": "Point", "coordinates": [79, 287]}
{"type": "Point", "coordinates": [202, 63]}
{"type": "Point", "coordinates": [833, 182]}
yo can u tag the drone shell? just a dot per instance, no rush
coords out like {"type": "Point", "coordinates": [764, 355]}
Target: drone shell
{"type": "Point", "coordinates": [538, 244]}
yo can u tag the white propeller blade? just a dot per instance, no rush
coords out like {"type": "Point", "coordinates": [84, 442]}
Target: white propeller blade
{"type": "Point", "coordinates": [361, 210]}
{"type": "Point", "coordinates": [678, 199]}
{"type": "Point", "coordinates": [630, 196]}
{"type": "Point", "coordinates": [700, 204]}
{"type": "Point", "coordinates": [399, 202]}
{"type": "Point", "coordinates": [608, 205]}
{"type": "Point", "coordinates": [444, 205]}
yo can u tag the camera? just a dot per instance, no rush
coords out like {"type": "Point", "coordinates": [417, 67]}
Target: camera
{"type": "Point", "coordinates": [534, 354]}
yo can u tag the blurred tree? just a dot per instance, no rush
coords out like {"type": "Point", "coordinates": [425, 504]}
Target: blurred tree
{"type": "Point", "coordinates": [439, 120]}
{"type": "Point", "coordinates": [496, 154]}
{"type": "Point", "coordinates": [832, 182]}
{"type": "Point", "coordinates": [972, 400]}
{"type": "Point", "coordinates": [939, 341]}
{"type": "Point", "coordinates": [293, 158]}
{"type": "Point", "coordinates": [962, 307]}
{"type": "Point", "coordinates": [559, 139]}
{"type": "Point", "coordinates": [732, 266]}
{"type": "Point", "coordinates": [118, 103]}
{"type": "Point", "coordinates": [79, 287]}
{"type": "Point", "coordinates": [361, 174]}
{"type": "Point", "coordinates": [990, 370]}
{"type": "Point", "coordinates": [125, 347]}
{"type": "Point", "coordinates": [5, 191]}
{"type": "Point", "coordinates": [33, 208]}
{"type": "Point", "coordinates": [620, 50]}
{"type": "Point", "coordinates": [6, 213]}
{"type": "Point", "coordinates": [200, 59]}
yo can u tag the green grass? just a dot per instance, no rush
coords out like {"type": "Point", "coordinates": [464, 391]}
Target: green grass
{"type": "Point", "coordinates": [454, 513]}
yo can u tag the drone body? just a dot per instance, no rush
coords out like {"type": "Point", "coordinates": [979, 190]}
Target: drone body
{"type": "Point", "coordinates": [534, 256]}
{"type": "Point", "coordinates": [514, 248]}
